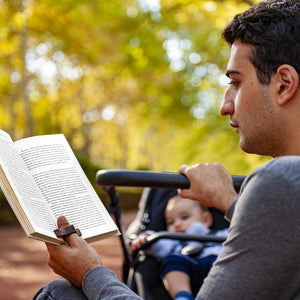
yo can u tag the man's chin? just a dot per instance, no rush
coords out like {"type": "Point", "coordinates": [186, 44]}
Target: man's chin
{"type": "Point", "coordinates": [245, 147]}
{"type": "Point", "coordinates": [253, 149]}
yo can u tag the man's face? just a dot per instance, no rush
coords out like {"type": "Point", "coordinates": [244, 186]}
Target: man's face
{"type": "Point", "coordinates": [252, 111]}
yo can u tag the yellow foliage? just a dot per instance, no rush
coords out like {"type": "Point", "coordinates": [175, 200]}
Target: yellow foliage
{"type": "Point", "coordinates": [76, 59]}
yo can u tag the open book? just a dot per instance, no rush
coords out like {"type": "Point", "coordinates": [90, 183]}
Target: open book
{"type": "Point", "coordinates": [42, 180]}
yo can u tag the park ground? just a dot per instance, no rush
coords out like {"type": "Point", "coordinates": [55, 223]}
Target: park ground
{"type": "Point", "coordinates": [23, 261]}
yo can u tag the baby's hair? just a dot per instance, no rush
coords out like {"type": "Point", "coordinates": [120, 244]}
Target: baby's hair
{"type": "Point", "coordinates": [178, 198]}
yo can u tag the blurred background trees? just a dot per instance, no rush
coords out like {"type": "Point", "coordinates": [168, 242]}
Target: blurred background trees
{"type": "Point", "coordinates": [132, 84]}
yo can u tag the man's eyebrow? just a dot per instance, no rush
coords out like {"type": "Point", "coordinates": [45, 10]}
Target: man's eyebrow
{"type": "Point", "coordinates": [230, 72]}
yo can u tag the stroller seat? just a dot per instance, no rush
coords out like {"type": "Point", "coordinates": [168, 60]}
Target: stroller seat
{"type": "Point", "coordinates": [147, 282]}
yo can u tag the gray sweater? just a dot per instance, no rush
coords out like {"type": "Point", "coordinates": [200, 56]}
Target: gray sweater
{"type": "Point", "coordinates": [261, 256]}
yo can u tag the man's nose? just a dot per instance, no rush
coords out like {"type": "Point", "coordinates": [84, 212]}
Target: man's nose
{"type": "Point", "coordinates": [227, 106]}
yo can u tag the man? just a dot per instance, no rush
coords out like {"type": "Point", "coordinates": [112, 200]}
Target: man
{"type": "Point", "coordinates": [260, 259]}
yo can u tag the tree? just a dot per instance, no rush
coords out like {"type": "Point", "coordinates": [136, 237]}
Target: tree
{"type": "Point", "coordinates": [132, 84]}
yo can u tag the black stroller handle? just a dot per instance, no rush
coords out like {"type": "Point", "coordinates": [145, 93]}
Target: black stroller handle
{"type": "Point", "coordinates": [109, 178]}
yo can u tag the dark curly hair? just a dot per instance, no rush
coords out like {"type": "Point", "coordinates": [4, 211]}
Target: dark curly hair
{"type": "Point", "coordinates": [273, 28]}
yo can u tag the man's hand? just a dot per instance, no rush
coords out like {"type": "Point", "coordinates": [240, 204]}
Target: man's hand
{"type": "Point", "coordinates": [210, 184]}
{"type": "Point", "coordinates": [74, 259]}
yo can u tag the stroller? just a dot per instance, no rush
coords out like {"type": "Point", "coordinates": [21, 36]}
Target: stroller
{"type": "Point", "coordinates": [141, 272]}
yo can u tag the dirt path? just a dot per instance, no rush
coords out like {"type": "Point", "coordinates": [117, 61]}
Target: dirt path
{"type": "Point", "coordinates": [23, 261]}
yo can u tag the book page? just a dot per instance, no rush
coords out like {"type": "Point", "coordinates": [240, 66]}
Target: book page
{"type": "Point", "coordinates": [26, 191]}
{"type": "Point", "coordinates": [63, 183]}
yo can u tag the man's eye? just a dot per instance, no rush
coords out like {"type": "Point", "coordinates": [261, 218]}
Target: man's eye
{"type": "Point", "coordinates": [233, 82]}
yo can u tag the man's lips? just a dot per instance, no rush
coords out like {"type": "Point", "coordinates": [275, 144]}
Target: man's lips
{"type": "Point", "coordinates": [234, 125]}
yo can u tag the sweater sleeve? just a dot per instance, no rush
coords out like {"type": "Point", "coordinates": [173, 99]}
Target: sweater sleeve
{"type": "Point", "coordinates": [102, 283]}
{"type": "Point", "coordinates": [230, 211]}
{"type": "Point", "coordinates": [260, 258]}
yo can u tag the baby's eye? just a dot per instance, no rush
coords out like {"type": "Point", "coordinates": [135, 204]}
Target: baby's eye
{"type": "Point", "coordinates": [170, 223]}
{"type": "Point", "coordinates": [185, 217]}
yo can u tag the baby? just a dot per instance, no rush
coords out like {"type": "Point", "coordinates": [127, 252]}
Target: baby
{"type": "Point", "coordinates": [183, 275]}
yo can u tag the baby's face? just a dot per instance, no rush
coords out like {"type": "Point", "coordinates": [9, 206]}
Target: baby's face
{"type": "Point", "coordinates": [181, 214]}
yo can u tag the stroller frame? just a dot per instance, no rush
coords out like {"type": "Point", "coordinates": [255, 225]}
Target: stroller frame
{"type": "Point", "coordinates": [108, 180]}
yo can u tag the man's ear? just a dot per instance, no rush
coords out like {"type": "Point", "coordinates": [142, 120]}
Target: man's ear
{"type": "Point", "coordinates": [287, 84]}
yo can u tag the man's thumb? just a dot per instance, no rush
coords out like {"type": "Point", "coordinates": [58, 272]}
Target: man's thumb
{"type": "Point", "coordinates": [62, 222]}
{"type": "Point", "coordinates": [65, 230]}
